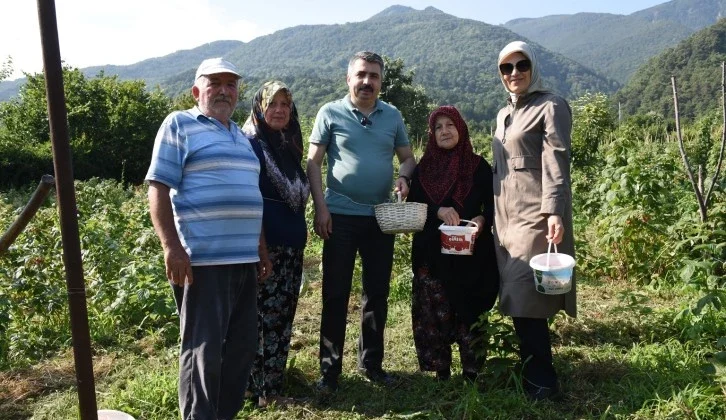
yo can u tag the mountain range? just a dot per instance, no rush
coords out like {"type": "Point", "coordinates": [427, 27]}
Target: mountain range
{"type": "Point", "coordinates": [454, 59]}
{"type": "Point", "coordinates": [696, 65]}
{"type": "Point", "coordinates": [617, 45]}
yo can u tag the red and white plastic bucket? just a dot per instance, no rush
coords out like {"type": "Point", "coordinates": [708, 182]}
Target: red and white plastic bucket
{"type": "Point", "coordinates": [458, 240]}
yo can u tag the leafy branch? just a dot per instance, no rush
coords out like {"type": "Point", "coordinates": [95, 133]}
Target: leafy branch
{"type": "Point", "coordinates": [698, 187]}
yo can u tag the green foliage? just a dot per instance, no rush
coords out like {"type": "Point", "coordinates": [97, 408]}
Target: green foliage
{"type": "Point", "coordinates": [399, 90]}
{"type": "Point", "coordinates": [696, 64]}
{"type": "Point", "coordinates": [6, 68]}
{"type": "Point", "coordinates": [637, 198]}
{"type": "Point", "coordinates": [593, 120]}
{"type": "Point", "coordinates": [702, 249]}
{"type": "Point", "coordinates": [650, 127]}
{"type": "Point", "coordinates": [401, 276]}
{"type": "Point", "coordinates": [111, 126]}
{"type": "Point", "coordinates": [497, 343]}
{"type": "Point", "coordinates": [702, 141]}
{"type": "Point", "coordinates": [123, 269]}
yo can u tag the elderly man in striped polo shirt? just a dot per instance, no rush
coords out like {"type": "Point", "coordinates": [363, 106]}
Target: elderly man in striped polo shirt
{"type": "Point", "coordinates": [206, 207]}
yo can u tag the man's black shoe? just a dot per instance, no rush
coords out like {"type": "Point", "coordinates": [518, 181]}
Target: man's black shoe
{"type": "Point", "coordinates": [469, 375]}
{"type": "Point", "coordinates": [326, 386]}
{"type": "Point", "coordinates": [540, 393]}
{"type": "Point", "coordinates": [443, 375]}
{"type": "Point", "coordinates": [379, 376]}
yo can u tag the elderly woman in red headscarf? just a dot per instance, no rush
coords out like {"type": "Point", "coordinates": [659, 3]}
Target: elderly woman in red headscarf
{"type": "Point", "coordinates": [450, 292]}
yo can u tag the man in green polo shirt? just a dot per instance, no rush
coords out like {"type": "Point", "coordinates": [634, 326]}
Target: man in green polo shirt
{"type": "Point", "coordinates": [359, 134]}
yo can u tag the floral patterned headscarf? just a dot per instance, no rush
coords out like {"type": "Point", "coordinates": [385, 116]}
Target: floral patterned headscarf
{"type": "Point", "coordinates": [283, 149]}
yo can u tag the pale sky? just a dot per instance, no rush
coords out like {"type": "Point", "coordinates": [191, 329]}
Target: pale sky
{"type": "Point", "coordinates": [98, 32]}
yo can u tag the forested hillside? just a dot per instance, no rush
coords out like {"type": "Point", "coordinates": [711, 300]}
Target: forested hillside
{"type": "Point", "coordinates": [616, 45]}
{"type": "Point", "coordinates": [696, 14]}
{"type": "Point", "coordinates": [454, 60]}
{"type": "Point", "coordinates": [696, 64]}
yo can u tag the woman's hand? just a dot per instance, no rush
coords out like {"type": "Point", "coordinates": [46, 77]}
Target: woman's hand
{"type": "Point", "coordinates": [449, 216]}
{"type": "Point", "coordinates": [479, 220]}
{"type": "Point", "coordinates": [555, 229]}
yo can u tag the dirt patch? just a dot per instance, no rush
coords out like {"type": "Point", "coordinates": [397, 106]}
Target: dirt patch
{"type": "Point", "coordinates": [18, 386]}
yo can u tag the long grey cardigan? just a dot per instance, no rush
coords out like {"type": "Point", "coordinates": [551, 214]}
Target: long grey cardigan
{"type": "Point", "coordinates": [531, 181]}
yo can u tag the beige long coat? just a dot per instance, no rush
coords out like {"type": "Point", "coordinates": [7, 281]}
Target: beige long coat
{"type": "Point", "coordinates": [531, 181]}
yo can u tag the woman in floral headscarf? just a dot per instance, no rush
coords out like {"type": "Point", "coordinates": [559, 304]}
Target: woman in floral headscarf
{"type": "Point", "coordinates": [450, 292]}
{"type": "Point", "coordinates": [533, 202]}
{"type": "Point", "coordinates": [273, 123]}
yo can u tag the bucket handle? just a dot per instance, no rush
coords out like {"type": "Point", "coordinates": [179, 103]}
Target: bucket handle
{"type": "Point", "coordinates": [475, 224]}
{"type": "Point", "coordinates": [549, 248]}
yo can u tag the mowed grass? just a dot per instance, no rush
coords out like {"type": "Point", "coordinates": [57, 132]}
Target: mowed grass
{"type": "Point", "coordinates": [620, 359]}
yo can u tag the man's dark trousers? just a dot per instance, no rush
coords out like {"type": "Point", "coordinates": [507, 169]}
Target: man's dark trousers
{"type": "Point", "coordinates": [218, 327]}
{"type": "Point", "coordinates": [352, 235]}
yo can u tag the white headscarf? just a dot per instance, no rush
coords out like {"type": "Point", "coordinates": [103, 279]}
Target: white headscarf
{"type": "Point", "coordinates": [535, 82]}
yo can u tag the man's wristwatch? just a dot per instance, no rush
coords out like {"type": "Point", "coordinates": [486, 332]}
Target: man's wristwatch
{"type": "Point", "coordinates": [408, 179]}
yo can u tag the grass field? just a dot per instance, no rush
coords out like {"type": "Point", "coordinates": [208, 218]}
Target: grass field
{"type": "Point", "coordinates": [619, 359]}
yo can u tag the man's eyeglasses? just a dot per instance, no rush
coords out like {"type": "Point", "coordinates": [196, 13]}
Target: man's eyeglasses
{"type": "Point", "coordinates": [365, 121]}
{"type": "Point", "coordinates": [522, 66]}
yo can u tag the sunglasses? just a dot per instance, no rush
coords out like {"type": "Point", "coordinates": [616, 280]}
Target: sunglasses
{"type": "Point", "coordinates": [522, 66]}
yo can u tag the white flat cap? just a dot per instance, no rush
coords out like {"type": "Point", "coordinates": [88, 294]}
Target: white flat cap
{"type": "Point", "coordinates": [215, 66]}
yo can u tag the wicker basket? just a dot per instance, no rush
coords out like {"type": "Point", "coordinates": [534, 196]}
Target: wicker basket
{"type": "Point", "coordinates": [401, 217]}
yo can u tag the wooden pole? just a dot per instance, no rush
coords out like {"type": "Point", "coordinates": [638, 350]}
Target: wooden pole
{"type": "Point", "coordinates": [36, 200]}
{"type": "Point", "coordinates": [65, 190]}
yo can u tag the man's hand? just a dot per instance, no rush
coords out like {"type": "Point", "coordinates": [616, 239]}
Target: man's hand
{"type": "Point", "coordinates": [178, 266]}
{"type": "Point", "coordinates": [401, 185]}
{"type": "Point", "coordinates": [177, 262]}
{"type": "Point", "coordinates": [323, 222]}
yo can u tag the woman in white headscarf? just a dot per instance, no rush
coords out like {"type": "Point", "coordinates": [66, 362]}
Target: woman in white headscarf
{"type": "Point", "coordinates": [533, 206]}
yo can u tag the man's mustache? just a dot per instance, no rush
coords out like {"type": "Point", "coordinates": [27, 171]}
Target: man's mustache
{"type": "Point", "coordinates": [223, 98]}
{"type": "Point", "coordinates": [367, 87]}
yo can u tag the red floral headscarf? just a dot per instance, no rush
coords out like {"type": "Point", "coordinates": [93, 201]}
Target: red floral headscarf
{"type": "Point", "coordinates": [448, 173]}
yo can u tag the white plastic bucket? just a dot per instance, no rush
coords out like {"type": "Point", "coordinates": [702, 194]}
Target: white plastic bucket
{"type": "Point", "coordinates": [458, 240]}
{"type": "Point", "coordinates": [113, 415]}
{"type": "Point", "coordinates": [552, 272]}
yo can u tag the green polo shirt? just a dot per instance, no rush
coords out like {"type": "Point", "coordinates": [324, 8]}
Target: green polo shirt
{"type": "Point", "coordinates": [360, 154]}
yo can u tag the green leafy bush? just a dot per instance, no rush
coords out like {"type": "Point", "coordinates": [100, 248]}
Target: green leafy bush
{"type": "Point", "coordinates": [111, 127]}
{"type": "Point", "coordinates": [127, 292]}
{"type": "Point", "coordinates": [640, 192]}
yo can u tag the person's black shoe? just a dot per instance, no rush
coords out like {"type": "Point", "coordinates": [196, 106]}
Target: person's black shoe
{"type": "Point", "coordinates": [469, 375]}
{"type": "Point", "coordinates": [443, 375]}
{"type": "Point", "coordinates": [379, 376]}
{"type": "Point", "coordinates": [326, 385]}
{"type": "Point", "coordinates": [541, 393]}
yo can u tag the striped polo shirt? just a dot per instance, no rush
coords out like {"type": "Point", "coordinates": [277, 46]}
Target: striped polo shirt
{"type": "Point", "coordinates": [213, 174]}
